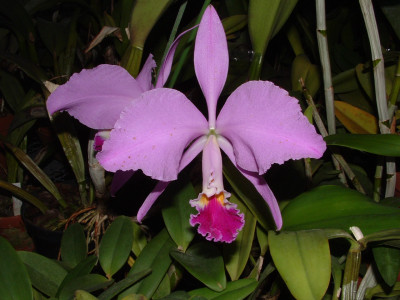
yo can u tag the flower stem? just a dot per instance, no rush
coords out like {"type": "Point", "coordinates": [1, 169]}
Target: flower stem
{"type": "Point", "coordinates": [326, 66]}
{"type": "Point", "coordinates": [380, 89]}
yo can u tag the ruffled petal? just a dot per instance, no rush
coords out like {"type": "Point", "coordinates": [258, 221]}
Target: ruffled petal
{"type": "Point", "coordinates": [187, 157]}
{"type": "Point", "coordinates": [218, 219]}
{"type": "Point", "coordinates": [258, 181]}
{"type": "Point", "coordinates": [97, 96]}
{"type": "Point", "coordinates": [211, 59]}
{"type": "Point", "coordinates": [265, 126]}
{"type": "Point", "coordinates": [146, 74]}
{"type": "Point", "coordinates": [152, 134]}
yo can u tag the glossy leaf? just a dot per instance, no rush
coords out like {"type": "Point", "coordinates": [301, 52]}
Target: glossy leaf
{"type": "Point", "coordinates": [382, 144]}
{"type": "Point", "coordinates": [46, 275]}
{"type": "Point", "coordinates": [303, 69]}
{"type": "Point", "coordinates": [237, 290]}
{"type": "Point", "coordinates": [387, 260]}
{"type": "Point", "coordinates": [355, 119]}
{"type": "Point", "coordinates": [177, 214]}
{"type": "Point", "coordinates": [236, 254]}
{"type": "Point", "coordinates": [204, 261]}
{"type": "Point", "coordinates": [88, 283]}
{"type": "Point", "coordinates": [139, 239]}
{"type": "Point", "coordinates": [121, 285]}
{"type": "Point", "coordinates": [83, 268]}
{"type": "Point", "coordinates": [345, 82]}
{"type": "Point", "coordinates": [14, 280]}
{"type": "Point", "coordinates": [83, 295]}
{"type": "Point", "coordinates": [234, 23]}
{"type": "Point", "coordinates": [73, 245]}
{"type": "Point", "coordinates": [338, 207]}
{"type": "Point", "coordinates": [265, 20]}
{"type": "Point", "coordinates": [305, 263]}
{"type": "Point", "coordinates": [116, 245]}
{"type": "Point", "coordinates": [155, 256]}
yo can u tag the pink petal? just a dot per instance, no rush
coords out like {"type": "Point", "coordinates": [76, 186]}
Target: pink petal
{"type": "Point", "coordinates": [218, 219]}
{"type": "Point", "coordinates": [188, 156]}
{"type": "Point", "coordinates": [152, 134]}
{"type": "Point", "coordinates": [211, 59]}
{"type": "Point", "coordinates": [258, 181]}
{"type": "Point", "coordinates": [146, 74]}
{"type": "Point", "coordinates": [165, 68]}
{"type": "Point", "coordinates": [265, 126]}
{"type": "Point", "coordinates": [97, 96]}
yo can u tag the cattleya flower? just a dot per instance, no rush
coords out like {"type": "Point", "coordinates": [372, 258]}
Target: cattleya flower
{"type": "Point", "coordinates": [96, 97]}
{"type": "Point", "coordinates": [161, 132]}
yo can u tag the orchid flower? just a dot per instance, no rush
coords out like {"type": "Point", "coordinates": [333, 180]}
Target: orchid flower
{"type": "Point", "coordinates": [96, 97]}
{"type": "Point", "coordinates": [161, 132]}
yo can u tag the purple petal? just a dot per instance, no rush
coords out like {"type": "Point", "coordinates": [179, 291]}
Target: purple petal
{"type": "Point", "coordinates": [265, 126]}
{"type": "Point", "coordinates": [165, 68]}
{"type": "Point", "coordinates": [97, 96]}
{"type": "Point", "coordinates": [146, 74]}
{"type": "Point", "coordinates": [211, 59]}
{"type": "Point", "coordinates": [218, 219]}
{"type": "Point", "coordinates": [119, 180]}
{"type": "Point", "coordinates": [187, 157]}
{"type": "Point", "coordinates": [152, 134]}
{"type": "Point", "coordinates": [258, 181]}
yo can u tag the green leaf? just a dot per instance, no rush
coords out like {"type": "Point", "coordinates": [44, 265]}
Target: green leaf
{"type": "Point", "coordinates": [381, 144]}
{"type": "Point", "coordinates": [345, 82]}
{"type": "Point", "coordinates": [88, 283]}
{"type": "Point", "coordinates": [83, 268]}
{"type": "Point", "coordinates": [379, 291]}
{"type": "Point", "coordinates": [177, 214]}
{"type": "Point", "coordinates": [236, 254]}
{"type": "Point", "coordinates": [139, 239]}
{"type": "Point", "coordinates": [46, 274]}
{"type": "Point", "coordinates": [12, 91]}
{"type": "Point", "coordinates": [83, 295]}
{"type": "Point", "coordinates": [121, 285]}
{"type": "Point", "coordinates": [303, 260]}
{"type": "Point", "coordinates": [237, 290]}
{"type": "Point", "coordinates": [23, 195]}
{"type": "Point", "coordinates": [204, 261]}
{"type": "Point", "coordinates": [338, 207]}
{"type": "Point", "coordinates": [155, 256]}
{"type": "Point", "coordinates": [262, 238]}
{"type": "Point", "coordinates": [116, 245]}
{"type": "Point", "coordinates": [387, 260]}
{"type": "Point", "coordinates": [266, 18]}
{"type": "Point", "coordinates": [247, 192]}
{"type": "Point", "coordinates": [163, 289]}
{"type": "Point", "coordinates": [73, 245]}
{"type": "Point", "coordinates": [14, 280]}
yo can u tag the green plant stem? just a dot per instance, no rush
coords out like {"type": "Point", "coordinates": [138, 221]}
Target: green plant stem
{"type": "Point", "coordinates": [326, 66]}
{"type": "Point", "coordinates": [173, 32]}
{"type": "Point", "coordinates": [378, 182]}
{"type": "Point", "coordinates": [351, 272]}
{"type": "Point", "coordinates": [255, 67]}
{"type": "Point", "coordinates": [380, 88]}
{"type": "Point", "coordinates": [132, 59]}
{"type": "Point", "coordinates": [337, 158]}
{"type": "Point", "coordinates": [185, 52]}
